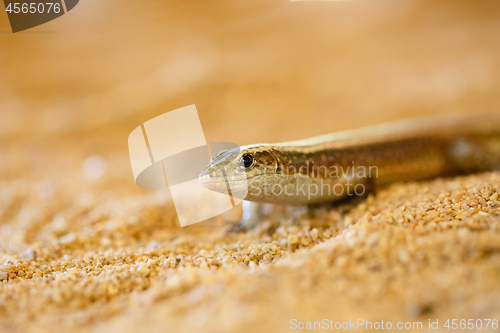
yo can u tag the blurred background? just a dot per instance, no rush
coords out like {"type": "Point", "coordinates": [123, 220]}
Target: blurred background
{"type": "Point", "coordinates": [73, 89]}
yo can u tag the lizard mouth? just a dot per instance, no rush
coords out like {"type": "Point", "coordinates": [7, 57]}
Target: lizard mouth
{"type": "Point", "coordinates": [210, 178]}
{"type": "Point", "coordinates": [217, 181]}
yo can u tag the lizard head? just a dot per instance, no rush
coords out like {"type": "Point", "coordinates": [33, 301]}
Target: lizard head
{"type": "Point", "coordinates": [241, 168]}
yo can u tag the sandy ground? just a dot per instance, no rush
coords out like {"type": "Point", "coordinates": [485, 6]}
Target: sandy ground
{"type": "Point", "coordinates": [82, 248]}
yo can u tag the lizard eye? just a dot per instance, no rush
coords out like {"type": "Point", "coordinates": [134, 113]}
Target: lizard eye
{"type": "Point", "coordinates": [248, 160]}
